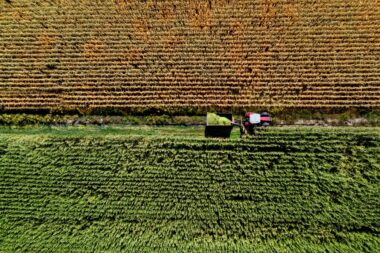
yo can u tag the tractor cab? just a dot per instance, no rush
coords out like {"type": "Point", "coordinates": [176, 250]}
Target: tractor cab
{"type": "Point", "coordinates": [253, 120]}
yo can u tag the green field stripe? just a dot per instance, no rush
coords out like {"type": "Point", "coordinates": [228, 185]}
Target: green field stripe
{"type": "Point", "coordinates": [185, 191]}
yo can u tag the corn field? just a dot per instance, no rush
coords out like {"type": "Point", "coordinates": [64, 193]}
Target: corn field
{"type": "Point", "coordinates": [172, 55]}
{"type": "Point", "coordinates": [284, 190]}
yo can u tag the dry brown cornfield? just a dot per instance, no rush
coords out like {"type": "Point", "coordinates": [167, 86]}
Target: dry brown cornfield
{"type": "Point", "coordinates": [181, 54]}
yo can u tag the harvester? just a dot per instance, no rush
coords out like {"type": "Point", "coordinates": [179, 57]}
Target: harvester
{"type": "Point", "coordinates": [221, 124]}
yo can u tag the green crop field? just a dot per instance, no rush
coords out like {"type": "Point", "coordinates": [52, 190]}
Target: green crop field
{"type": "Point", "coordinates": [130, 190]}
{"type": "Point", "coordinates": [76, 176]}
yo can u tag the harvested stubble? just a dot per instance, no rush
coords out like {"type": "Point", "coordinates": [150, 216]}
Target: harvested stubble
{"type": "Point", "coordinates": [287, 190]}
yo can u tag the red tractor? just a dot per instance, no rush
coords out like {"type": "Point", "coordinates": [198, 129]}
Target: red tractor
{"type": "Point", "coordinates": [253, 120]}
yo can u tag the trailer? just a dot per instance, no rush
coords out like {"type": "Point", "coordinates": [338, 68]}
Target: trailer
{"type": "Point", "coordinates": [217, 130]}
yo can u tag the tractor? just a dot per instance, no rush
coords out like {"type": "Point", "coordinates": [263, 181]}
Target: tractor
{"type": "Point", "coordinates": [253, 120]}
{"type": "Point", "coordinates": [221, 124]}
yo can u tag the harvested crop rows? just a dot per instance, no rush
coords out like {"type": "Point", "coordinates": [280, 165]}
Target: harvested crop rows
{"type": "Point", "coordinates": [171, 55]}
{"type": "Point", "coordinates": [290, 190]}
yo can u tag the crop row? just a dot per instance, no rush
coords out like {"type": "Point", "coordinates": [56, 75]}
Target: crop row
{"type": "Point", "coordinates": [189, 46]}
{"type": "Point", "coordinates": [310, 185]}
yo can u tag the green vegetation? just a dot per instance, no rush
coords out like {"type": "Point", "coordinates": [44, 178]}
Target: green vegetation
{"type": "Point", "coordinates": [284, 190]}
{"type": "Point", "coordinates": [84, 180]}
{"type": "Point", "coordinates": [191, 132]}
{"type": "Point", "coordinates": [283, 116]}
{"type": "Point", "coordinates": [25, 119]}
{"type": "Point", "coordinates": [215, 120]}
{"type": "Point", "coordinates": [98, 131]}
